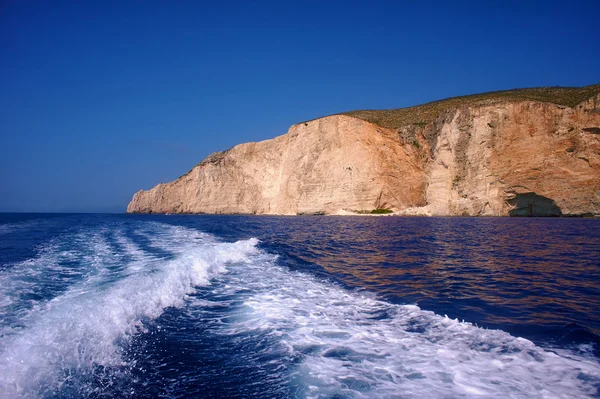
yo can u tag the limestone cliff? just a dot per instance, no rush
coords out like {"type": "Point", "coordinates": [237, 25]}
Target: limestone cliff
{"type": "Point", "coordinates": [501, 156]}
{"type": "Point", "coordinates": [321, 166]}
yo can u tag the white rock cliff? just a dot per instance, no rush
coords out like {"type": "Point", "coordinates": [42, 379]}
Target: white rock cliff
{"type": "Point", "coordinates": [507, 158]}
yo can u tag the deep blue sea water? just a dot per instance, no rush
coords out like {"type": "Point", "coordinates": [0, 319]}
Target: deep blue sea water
{"type": "Point", "coordinates": [149, 306]}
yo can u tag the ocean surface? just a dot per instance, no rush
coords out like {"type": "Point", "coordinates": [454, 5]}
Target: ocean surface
{"type": "Point", "coordinates": [157, 306]}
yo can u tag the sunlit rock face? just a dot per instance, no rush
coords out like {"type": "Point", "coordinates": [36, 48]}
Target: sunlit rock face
{"type": "Point", "coordinates": [521, 158]}
{"type": "Point", "coordinates": [323, 166]}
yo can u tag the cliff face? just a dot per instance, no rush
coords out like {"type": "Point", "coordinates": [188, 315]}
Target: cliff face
{"type": "Point", "coordinates": [505, 158]}
{"type": "Point", "coordinates": [515, 159]}
{"type": "Point", "coordinates": [321, 166]}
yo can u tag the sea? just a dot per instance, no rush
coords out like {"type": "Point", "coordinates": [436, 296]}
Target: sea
{"type": "Point", "coordinates": [200, 306]}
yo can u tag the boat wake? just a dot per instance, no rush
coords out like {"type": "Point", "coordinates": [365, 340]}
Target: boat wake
{"type": "Point", "coordinates": [69, 318]}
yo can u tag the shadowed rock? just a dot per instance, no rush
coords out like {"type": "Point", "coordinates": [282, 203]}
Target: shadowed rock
{"type": "Point", "coordinates": [531, 204]}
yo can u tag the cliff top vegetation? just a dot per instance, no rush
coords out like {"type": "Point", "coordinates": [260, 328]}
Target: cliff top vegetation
{"type": "Point", "coordinates": [425, 113]}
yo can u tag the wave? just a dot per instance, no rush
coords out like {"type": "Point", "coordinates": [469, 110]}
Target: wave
{"type": "Point", "coordinates": [350, 344]}
{"type": "Point", "coordinates": [59, 263]}
{"type": "Point", "coordinates": [87, 326]}
{"type": "Point", "coordinates": [36, 224]}
{"type": "Point", "coordinates": [8, 228]}
{"type": "Point", "coordinates": [327, 341]}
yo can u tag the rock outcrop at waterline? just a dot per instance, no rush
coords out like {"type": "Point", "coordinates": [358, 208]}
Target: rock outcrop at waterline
{"type": "Point", "coordinates": [496, 155]}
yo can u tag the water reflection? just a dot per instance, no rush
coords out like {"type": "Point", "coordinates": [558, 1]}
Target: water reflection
{"type": "Point", "coordinates": [531, 277]}
{"type": "Point", "coordinates": [490, 271]}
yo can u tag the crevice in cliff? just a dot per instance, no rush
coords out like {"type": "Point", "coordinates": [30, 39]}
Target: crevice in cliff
{"type": "Point", "coordinates": [593, 130]}
{"type": "Point", "coordinates": [532, 204]}
{"type": "Point", "coordinates": [464, 124]}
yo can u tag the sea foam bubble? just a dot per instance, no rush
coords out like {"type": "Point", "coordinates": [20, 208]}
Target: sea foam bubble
{"type": "Point", "coordinates": [351, 344]}
{"type": "Point", "coordinates": [85, 328]}
{"type": "Point", "coordinates": [327, 340]}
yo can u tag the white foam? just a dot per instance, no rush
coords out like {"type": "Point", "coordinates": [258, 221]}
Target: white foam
{"type": "Point", "coordinates": [344, 343]}
{"type": "Point", "coordinates": [172, 238]}
{"type": "Point", "coordinates": [86, 326]}
{"type": "Point", "coordinates": [51, 267]}
{"type": "Point", "coordinates": [10, 228]}
{"type": "Point", "coordinates": [137, 258]}
{"type": "Point", "coordinates": [353, 345]}
{"type": "Point", "coordinates": [24, 280]}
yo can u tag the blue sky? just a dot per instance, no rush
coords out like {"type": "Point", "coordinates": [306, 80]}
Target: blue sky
{"type": "Point", "coordinates": [101, 99]}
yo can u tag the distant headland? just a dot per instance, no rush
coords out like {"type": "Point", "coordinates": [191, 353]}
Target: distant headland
{"type": "Point", "coordinates": [523, 152]}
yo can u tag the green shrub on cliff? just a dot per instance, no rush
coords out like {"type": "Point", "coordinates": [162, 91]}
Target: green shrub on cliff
{"type": "Point", "coordinates": [426, 113]}
{"type": "Point", "coordinates": [380, 211]}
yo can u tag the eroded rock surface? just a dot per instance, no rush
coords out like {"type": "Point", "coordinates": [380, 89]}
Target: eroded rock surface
{"type": "Point", "coordinates": [495, 160]}
{"type": "Point", "coordinates": [322, 166]}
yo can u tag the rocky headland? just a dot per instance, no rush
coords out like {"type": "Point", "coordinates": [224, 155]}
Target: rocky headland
{"type": "Point", "coordinates": [526, 152]}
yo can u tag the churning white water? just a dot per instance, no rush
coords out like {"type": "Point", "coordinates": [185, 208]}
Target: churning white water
{"type": "Point", "coordinates": [84, 326]}
{"type": "Point", "coordinates": [354, 345]}
{"type": "Point", "coordinates": [72, 309]}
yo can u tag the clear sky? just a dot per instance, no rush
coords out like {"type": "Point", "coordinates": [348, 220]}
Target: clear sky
{"type": "Point", "coordinates": [101, 99]}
